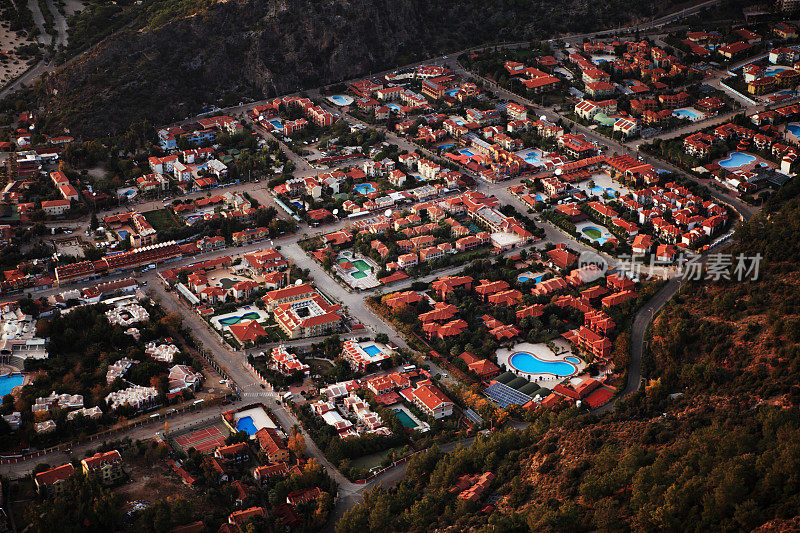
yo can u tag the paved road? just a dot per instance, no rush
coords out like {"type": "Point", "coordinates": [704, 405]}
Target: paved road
{"type": "Point", "coordinates": [350, 493]}
{"type": "Point", "coordinates": [638, 331]}
{"type": "Point", "coordinates": [744, 209]}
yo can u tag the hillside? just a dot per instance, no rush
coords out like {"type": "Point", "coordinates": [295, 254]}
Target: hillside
{"type": "Point", "coordinates": [712, 443]}
{"type": "Point", "coordinates": [166, 64]}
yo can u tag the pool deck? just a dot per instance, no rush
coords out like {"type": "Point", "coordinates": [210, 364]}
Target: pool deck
{"type": "Point", "coordinates": [747, 166]}
{"type": "Point", "coordinates": [543, 352]}
{"type": "Point", "coordinates": [216, 321]}
{"type": "Point", "coordinates": [367, 282]}
{"type": "Point", "coordinates": [421, 426]}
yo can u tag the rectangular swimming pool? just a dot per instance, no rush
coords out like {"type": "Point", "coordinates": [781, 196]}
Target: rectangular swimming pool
{"type": "Point", "coordinates": [372, 350]}
{"type": "Point", "coordinates": [405, 419]}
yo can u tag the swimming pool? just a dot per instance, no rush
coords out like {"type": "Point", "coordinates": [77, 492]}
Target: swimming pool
{"type": "Point", "coordinates": [684, 113]}
{"type": "Point", "coordinates": [525, 277]}
{"type": "Point", "coordinates": [364, 188]}
{"type": "Point", "coordinates": [600, 191]}
{"type": "Point", "coordinates": [529, 363]}
{"type": "Point", "coordinates": [247, 425]}
{"type": "Point", "coordinates": [793, 128]}
{"type": "Point", "coordinates": [405, 419]}
{"type": "Point", "coordinates": [372, 350]}
{"type": "Point", "coordinates": [361, 266]}
{"type": "Point", "coordinates": [736, 160]}
{"type": "Point", "coordinates": [466, 151]}
{"type": "Point", "coordinates": [774, 69]}
{"type": "Point", "coordinates": [394, 107]}
{"type": "Point", "coordinates": [7, 383]}
{"type": "Point", "coordinates": [276, 123]}
{"type": "Point", "coordinates": [236, 319]}
{"type": "Point", "coordinates": [341, 99]}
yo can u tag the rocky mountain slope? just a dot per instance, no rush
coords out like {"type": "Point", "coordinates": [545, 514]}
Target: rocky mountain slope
{"type": "Point", "coordinates": [710, 443]}
{"type": "Point", "coordinates": [204, 51]}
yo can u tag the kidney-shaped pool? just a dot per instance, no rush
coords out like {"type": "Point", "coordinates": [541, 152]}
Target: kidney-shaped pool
{"type": "Point", "coordinates": [529, 363]}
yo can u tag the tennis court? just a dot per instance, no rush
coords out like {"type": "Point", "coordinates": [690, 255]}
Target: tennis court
{"type": "Point", "coordinates": [204, 440]}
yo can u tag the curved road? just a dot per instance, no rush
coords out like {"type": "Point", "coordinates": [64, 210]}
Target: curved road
{"type": "Point", "coordinates": [351, 493]}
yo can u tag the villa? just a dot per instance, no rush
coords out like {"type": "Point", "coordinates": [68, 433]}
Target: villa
{"type": "Point", "coordinates": [106, 466]}
{"type": "Point", "coordinates": [18, 340]}
{"type": "Point", "coordinates": [362, 356]}
{"type": "Point", "coordinates": [53, 481]}
{"type": "Point", "coordinates": [134, 396]}
{"type": "Point", "coordinates": [127, 314]}
{"type": "Point", "coordinates": [430, 399]}
{"type": "Point", "coordinates": [287, 363]}
{"type": "Point", "coordinates": [309, 316]}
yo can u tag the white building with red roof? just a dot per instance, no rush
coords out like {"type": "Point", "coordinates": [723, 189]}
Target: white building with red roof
{"type": "Point", "coordinates": [430, 399]}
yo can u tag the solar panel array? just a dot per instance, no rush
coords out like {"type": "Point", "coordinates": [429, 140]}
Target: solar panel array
{"type": "Point", "coordinates": [503, 395]}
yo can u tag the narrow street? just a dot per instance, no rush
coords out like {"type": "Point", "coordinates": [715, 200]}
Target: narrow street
{"type": "Point", "coordinates": [250, 387]}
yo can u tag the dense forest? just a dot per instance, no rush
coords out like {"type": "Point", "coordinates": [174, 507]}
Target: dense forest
{"type": "Point", "coordinates": [168, 59]}
{"type": "Point", "coordinates": [711, 443]}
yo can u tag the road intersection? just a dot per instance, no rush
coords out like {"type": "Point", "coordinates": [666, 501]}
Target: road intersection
{"type": "Point", "coordinates": [249, 386]}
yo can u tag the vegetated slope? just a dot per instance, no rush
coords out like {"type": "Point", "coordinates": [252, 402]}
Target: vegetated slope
{"type": "Point", "coordinates": [722, 456]}
{"type": "Point", "coordinates": [167, 64]}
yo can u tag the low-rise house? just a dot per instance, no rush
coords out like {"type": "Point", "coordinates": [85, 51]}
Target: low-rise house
{"type": "Point", "coordinates": [106, 466]}
{"type": "Point", "coordinates": [431, 400]}
{"type": "Point", "coordinates": [235, 453]}
{"type": "Point", "coordinates": [272, 445]}
{"type": "Point", "coordinates": [53, 482]}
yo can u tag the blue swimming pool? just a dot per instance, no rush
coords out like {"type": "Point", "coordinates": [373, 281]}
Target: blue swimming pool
{"type": "Point", "coordinates": [372, 350]}
{"type": "Point", "coordinates": [529, 363]}
{"type": "Point", "coordinates": [774, 69]}
{"type": "Point", "coordinates": [685, 113]}
{"type": "Point", "coordinates": [532, 157]}
{"type": "Point", "coordinates": [246, 424]}
{"type": "Point", "coordinates": [736, 160]}
{"type": "Point", "coordinates": [341, 99]}
{"type": "Point", "coordinates": [793, 128]}
{"type": "Point", "coordinates": [572, 360]}
{"type": "Point", "coordinates": [394, 107]}
{"type": "Point", "coordinates": [466, 151]}
{"type": "Point", "coordinates": [525, 277]}
{"type": "Point", "coordinates": [9, 382]}
{"type": "Point", "coordinates": [276, 123]}
{"type": "Point", "coordinates": [364, 188]}
{"type": "Point", "coordinates": [600, 191]}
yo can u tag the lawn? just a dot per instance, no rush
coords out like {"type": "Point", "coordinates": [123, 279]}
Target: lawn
{"type": "Point", "coordinates": [162, 219]}
{"type": "Point", "coordinates": [592, 233]}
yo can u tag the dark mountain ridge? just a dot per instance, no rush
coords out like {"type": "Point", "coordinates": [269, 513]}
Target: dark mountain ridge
{"type": "Point", "coordinates": [267, 47]}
